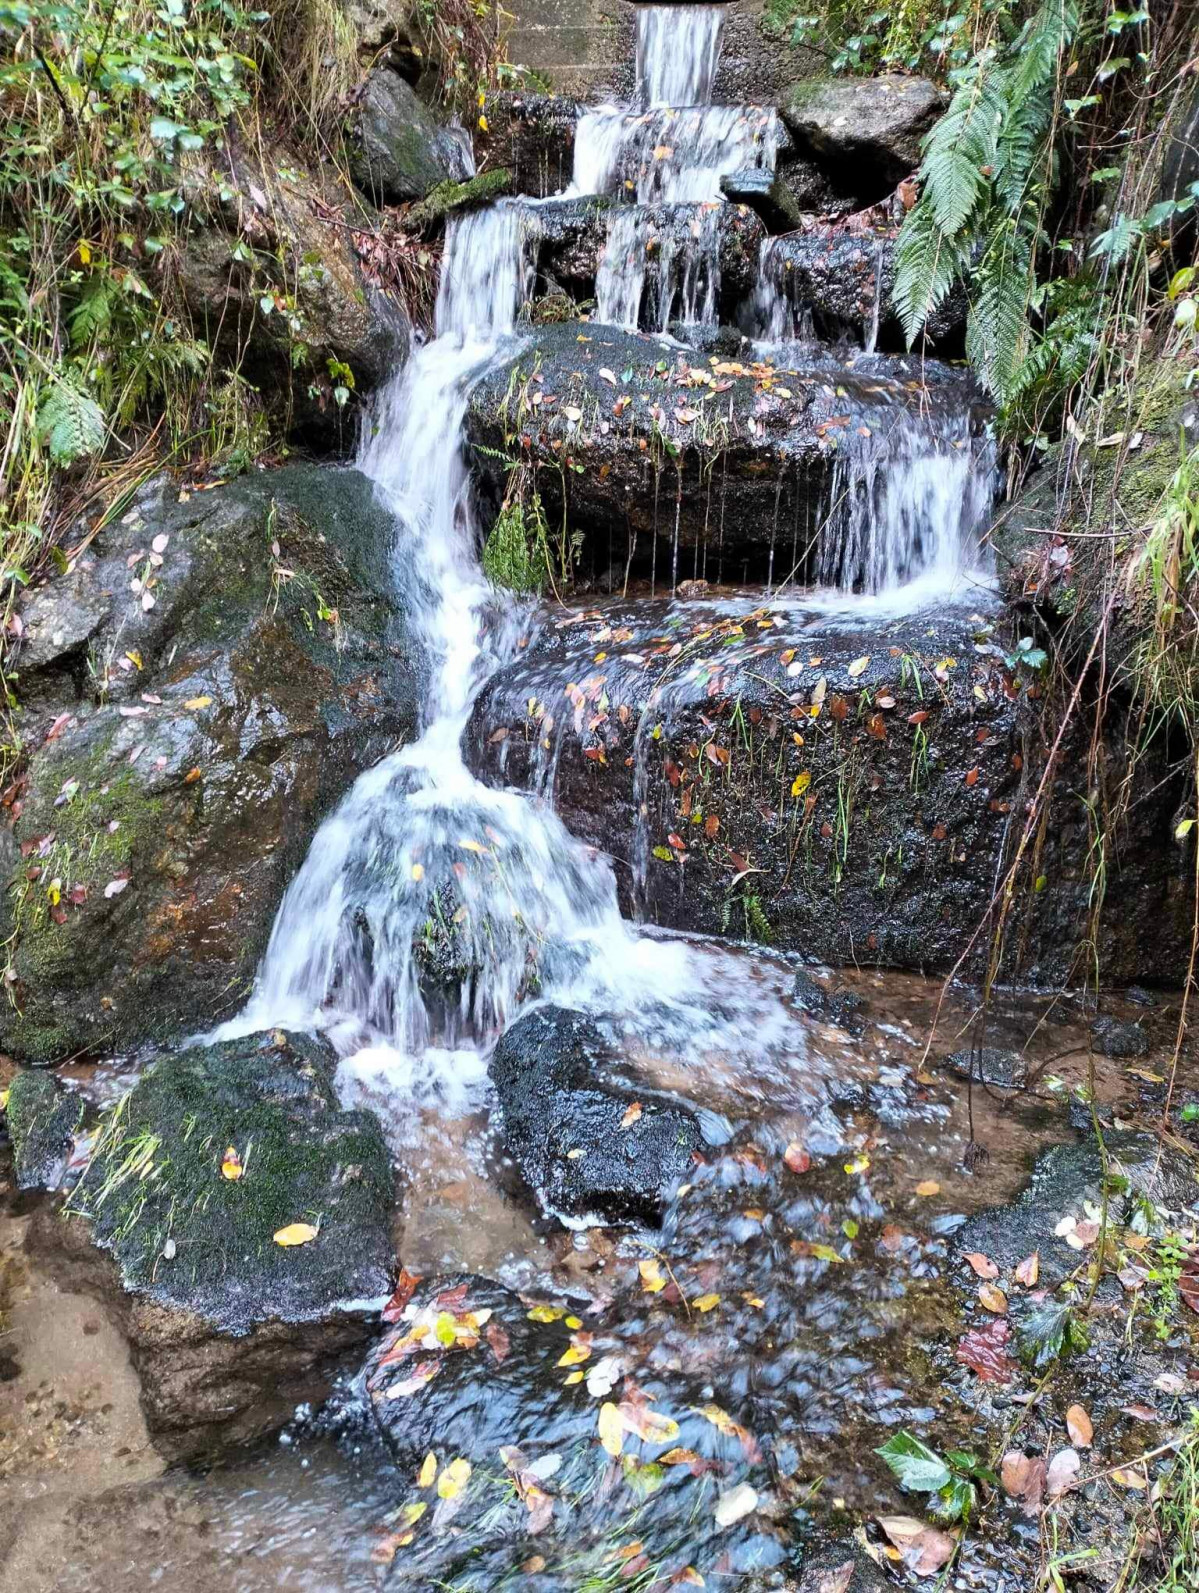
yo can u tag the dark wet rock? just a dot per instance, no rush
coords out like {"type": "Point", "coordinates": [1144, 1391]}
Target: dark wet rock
{"type": "Point", "coordinates": [533, 136]}
{"type": "Point", "coordinates": [767, 195]}
{"type": "Point", "coordinates": [278, 233]}
{"type": "Point", "coordinates": [842, 1007]}
{"type": "Point", "coordinates": [748, 467]}
{"type": "Point", "coordinates": [399, 149]}
{"type": "Point", "coordinates": [865, 133]}
{"type": "Point", "coordinates": [548, 1070]}
{"type": "Point", "coordinates": [840, 1567]}
{"type": "Point", "coordinates": [41, 1118]}
{"type": "Point", "coordinates": [1065, 1179]}
{"type": "Point", "coordinates": [841, 274]}
{"type": "Point", "coordinates": [989, 1064]}
{"type": "Point", "coordinates": [573, 235]}
{"type": "Point", "coordinates": [193, 746]}
{"type": "Point", "coordinates": [450, 198]}
{"type": "Point", "coordinates": [1118, 1037]}
{"type": "Point", "coordinates": [228, 1328]}
{"type": "Point", "coordinates": [691, 777]}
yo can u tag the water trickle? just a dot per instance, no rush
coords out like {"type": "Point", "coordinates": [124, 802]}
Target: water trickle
{"type": "Point", "coordinates": [678, 50]}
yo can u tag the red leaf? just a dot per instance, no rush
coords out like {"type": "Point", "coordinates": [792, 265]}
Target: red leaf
{"type": "Point", "coordinates": [984, 1350]}
{"type": "Point", "coordinates": [405, 1288]}
{"type": "Point", "coordinates": [497, 1338]}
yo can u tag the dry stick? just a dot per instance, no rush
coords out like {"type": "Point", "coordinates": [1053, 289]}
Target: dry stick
{"type": "Point", "coordinates": [1003, 896]}
{"type": "Point", "coordinates": [1187, 988]}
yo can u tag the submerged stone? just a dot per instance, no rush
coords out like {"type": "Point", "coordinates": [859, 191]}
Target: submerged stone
{"type": "Point", "coordinates": [587, 1149]}
{"type": "Point", "coordinates": [989, 1064]}
{"type": "Point", "coordinates": [1118, 1037]}
{"type": "Point", "coordinates": [230, 1327]}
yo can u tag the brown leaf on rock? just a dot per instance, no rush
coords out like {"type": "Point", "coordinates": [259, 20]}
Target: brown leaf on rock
{"type": "Point", "coordinates": [837, 1581]}
{"type": "Point", "coordinates": [984, 1350]}
{"type": "Point", "coordinates": [796, 1158]}
{"type": "Point", "coordinates": [983, 1266]}
{"type": "Point", "coordinates": [1023, 1478]}
{"type": "Point", "coordinates": [1079, 1426]}
{"type": "Point", "coordinates": [992, 1298]}
{"type": "Point", "coordinates": [1029, 1270]}
{"type": "Point", "coordinates": [499, 1342]}
{"type": "Point", "coordinates": [923, 1549]}
{"type": "Point", "coordinates": [405, 1288]}
{"type": "Point", "coordinates": [1063, 1473]}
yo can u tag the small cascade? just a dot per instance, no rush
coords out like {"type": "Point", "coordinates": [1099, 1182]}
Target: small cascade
{"type": "Point", "coordinates": [678, 51]}
{"type": "Point", "coordinates": [672, 151]}
{"type": "Point", "coordinates": [906, 505]}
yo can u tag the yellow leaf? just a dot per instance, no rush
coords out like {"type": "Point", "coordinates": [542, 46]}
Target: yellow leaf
{"type": "Point", "coordinates": [571, 1378]}
{"type": "Point", "coordinates": [482, 124]}
{"type": "Point", "coordinates": [648, 1424]}
{"type": "Point", "coordinates": [54, 892]}
{"type": "Point", "coordinates": [631, 1115]}
{"type": "Point", "coordinates": [427, 1471]}
{"type": "Point", "coordinates": [85, 254]}
{"type": "Point", "coordinates": [231, 1167]}
{"type": "Point", "coordinates": [858, 667]}
{"type": "Point", "coordinates": [574, 1323]}
{"type": "Point", "coordinates": [930, 1186]}
{"type": "Point", "coordinates": [651, 1276]}
{"type": "Point", "coordinates": [546, 1313]}
{"type": "Point", "coordinates": [453, 1479]}
{"type": "Point", "coordinates": [418, 872]}
{"type": "Point", "coordinates": [135, 659]}
{"type": "Point", "coordinates": [706, 1302]}
{"type": "Point", "coordinates": [611, 1428]}
{"type": "Point", "coordinates": [412, 1512]}
{"type": "Point", "coordinates": [580, 1349]}
{"type": "Point", "coordinates": [197, 702]}
{"type": "Point", "coordinates": [473, 846]}
{"type": "Point", "coordinates": [296, 1233]}
{"type": "Point", "coordinates": [801, 783]}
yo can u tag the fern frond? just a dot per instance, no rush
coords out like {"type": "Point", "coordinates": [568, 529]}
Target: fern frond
{"type": "Point", "coordinates": [927, 263]}
{"type": "Point", "coordinates": [70, 423]}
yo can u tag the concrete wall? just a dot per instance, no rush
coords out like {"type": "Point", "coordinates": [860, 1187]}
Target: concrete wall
{"type": "Point", "coordinates": [588, 48]}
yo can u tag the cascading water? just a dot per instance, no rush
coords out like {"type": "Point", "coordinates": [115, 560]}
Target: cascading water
{"type": "Point", "coordinates": [430, 905]}
{"type": "Point", "coordinates": [672, 152]}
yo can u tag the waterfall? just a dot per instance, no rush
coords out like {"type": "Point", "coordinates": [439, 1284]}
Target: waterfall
{"type": "Point", "coordinates": [430, 905]}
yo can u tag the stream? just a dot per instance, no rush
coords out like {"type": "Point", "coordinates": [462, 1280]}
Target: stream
{"type": "Point", "coordinates": [792, 1310]}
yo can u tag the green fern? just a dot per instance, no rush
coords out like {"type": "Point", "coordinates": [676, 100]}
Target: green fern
{"type": "Point", "coordinates": [987, 173]}
{"type": "Point", "coordinates": [70, 424]}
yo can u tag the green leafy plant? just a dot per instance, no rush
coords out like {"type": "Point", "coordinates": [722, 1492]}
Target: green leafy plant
{"type": "Point", "coordinates": [949, 1481]}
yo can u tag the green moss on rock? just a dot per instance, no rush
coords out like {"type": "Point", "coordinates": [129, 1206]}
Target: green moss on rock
{"type": "Point", "coordinates": [193, 1238]}
{"type": "Point", "coordinates": [449, 197]}
{"type": "Point", "coordinates": [41, 1119]}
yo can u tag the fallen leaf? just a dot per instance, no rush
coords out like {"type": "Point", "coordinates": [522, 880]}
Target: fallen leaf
{"type": "Point", "coordinates": [923, 1549]}
{"type": "Point", "coordinates": [1063, 1473]}
{"type": "Point", "coordinates": [194, 703]}
{"type": "Point", "coordinates": [992, 1298]}
{"type": "Point", "coordinates": [114, 888]}
{"type": "Point", "coordinates": [453, 1479]}
{"type": "Point", "coordinates": [1126, 1477]}
{"type": "Point", "coordinates": [1079, 1426]}
{"type": "Point", "coordinates": [611, 1428]}
{"type": "Point", "coordinates": [231, 1165]}
{"type": "Point", "coordinates": [296, 1233]}
{"type": "Point", "coordinates": [983, 1266]}
{"type": "Point", "coordinates": [796, 1158]}
{"type": "Point", "coordinates": [652, 1280]}
{"type": "Point", "coordinates": [1023, 1478]}
{"type": "Point", "coordinates": [859, 666]}
{"type": "Point", "coordinates": [1029, 1270]}
{"type": "Point", "coordinates": [984, 1351]}
{"type": "Point", "coordinates": [735, 1504]}
{"type": "Point", "coordinates": [706, 1302]}
{"type": "Point", "coordinates": [632, 1113]}
{"type": "Point", "coordinates": [837, 1580]}
{"type": "Point", "coordinates": [648, 1424]}
{"type": "Point", "coordinates": [929, 1186]}
{"type": "Point", "coordinates": [428, 1470]}
{"type": "Point", "coordinates": [405, 1288]}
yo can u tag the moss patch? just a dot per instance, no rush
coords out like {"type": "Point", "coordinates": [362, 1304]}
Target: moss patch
{"type": "Point", "coordinates": [448, 197]}
{"type": "Point", "coordinates": [194, 1238]}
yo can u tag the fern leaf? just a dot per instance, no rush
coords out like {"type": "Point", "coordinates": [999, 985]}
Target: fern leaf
{"type": "Point", "coordinates": [71, 424]}
{"type": "Point", "coordinates": [927, 263]}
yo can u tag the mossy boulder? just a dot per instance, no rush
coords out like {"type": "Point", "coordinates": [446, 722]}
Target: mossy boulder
{"type": "Point", "coordinates": [399, 148]}
{"type": "Point", "coordinates": [271, 275]}
{"type": "Point", "coordinates": [41, 1118]}
{"type": "Point", "coordinates": [229, 1328]}
{"type": "Point", "coordinates": [185, 752]}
